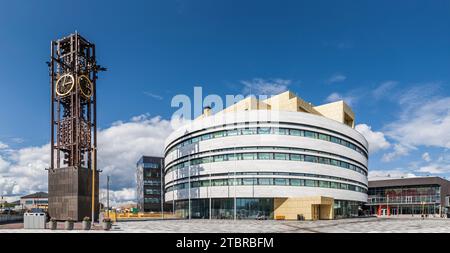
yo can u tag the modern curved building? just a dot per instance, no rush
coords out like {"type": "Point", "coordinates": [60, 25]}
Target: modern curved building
{"type": "Point", "coordinates": [279, 158]}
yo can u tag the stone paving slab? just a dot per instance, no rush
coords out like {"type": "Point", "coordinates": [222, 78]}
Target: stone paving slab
{"type": "Point", "coordinates": [360, 225]}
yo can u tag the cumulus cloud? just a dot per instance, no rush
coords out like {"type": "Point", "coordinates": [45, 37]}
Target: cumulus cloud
{"type": "Point", "coordinates": [119, 196]}
{"type": "Point", "coordinates": [335, 96]}
{"type": "Point", "coordinates": [121, 145]}
{"type": "Point", "coordinates": [336, 78]}
{"type": "Point", "coordinates": [399, 150]}
{"type": "Point", "coordinates": [259, 86]}
{"type": "Point", "coordinates": [377, 140]}
{"type": "Point", "coordinates": [119, 148]}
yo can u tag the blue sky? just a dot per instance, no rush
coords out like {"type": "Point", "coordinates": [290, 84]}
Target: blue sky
{"type": "Point", "coordinates": [386, 58]}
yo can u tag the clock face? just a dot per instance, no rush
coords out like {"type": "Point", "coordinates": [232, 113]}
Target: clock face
{"type": "Point", "coordinates": [85, 86]}
{"type": "Point", "coordinates": [64, 84]}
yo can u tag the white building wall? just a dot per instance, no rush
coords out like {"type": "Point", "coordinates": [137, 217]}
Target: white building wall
{"type": "Point", "coordinates": [287, 119]}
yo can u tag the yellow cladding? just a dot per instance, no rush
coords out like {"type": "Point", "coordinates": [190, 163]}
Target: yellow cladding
{"type": "Point", "coordinates": [288, 101]}
{"type": "Point", "coordinates": [338, 111]}
{"type": "Point", "coordinates": [310, 208]}
{"type": "Point", "coordinates": [247, 104]}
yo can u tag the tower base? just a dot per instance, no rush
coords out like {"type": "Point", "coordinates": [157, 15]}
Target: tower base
{"type": "Point", "coordinates": [70, 193]}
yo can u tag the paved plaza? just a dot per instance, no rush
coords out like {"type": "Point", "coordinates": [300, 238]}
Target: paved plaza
{"type": "Point", "coordinates": [362, 225]}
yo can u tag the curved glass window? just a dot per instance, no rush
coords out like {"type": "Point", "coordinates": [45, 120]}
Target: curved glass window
{"type": "Point", "coordinates": [266, 156]}
{"type": "Point", "coordinates": [270, 130]}
{"type": "Point", "coordinates": [268, 181]}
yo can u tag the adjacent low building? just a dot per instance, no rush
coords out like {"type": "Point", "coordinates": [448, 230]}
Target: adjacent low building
{"type": "Point", "coordinates": [277, 158]}
{"type": "Point", "coordinates": [409, 196]}
{"type": "Point", "coordinates": [34, 200]}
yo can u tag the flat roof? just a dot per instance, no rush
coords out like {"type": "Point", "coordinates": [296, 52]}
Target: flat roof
{"type": "Point", "coordinates": [410, 181]}
{"type": "Point", "coordinates": [37, 195]}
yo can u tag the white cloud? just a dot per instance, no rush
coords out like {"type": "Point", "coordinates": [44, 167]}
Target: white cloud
{"type": "Point", "coordinates": [383, 89]}
{"type": "Point", "coordinates": [435, 169]}
{"type": "Point", "coordinates": [335, 96]}
{"type": "Point", "coordinates": [119, 197]}
{"type": "Point", "coordinates": [399, 151]}
{"type": "Point", "coordinates": [336, 78]}
{"type": "Point", "coordinates": [3, 145]}
{"type": "Point", "coordinates": [426, 156]}
{"type": "Point", "coordinates": [389, 174]}
{"type": "Point", "coordinates": [377, 140]}
{"type": "Point", "coordinates": [120, 146]}
{"type": "Point", "coordinates": [269, 87]}
{"type": "Point", "coordinates": [3, 164]}
{"type": "Point", "coordinates": [426, 124]}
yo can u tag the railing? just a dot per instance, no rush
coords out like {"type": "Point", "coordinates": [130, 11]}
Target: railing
{"type": "Point", "coordinates": [404, 200]}
{"type": "Point", "coordinates": [141, 215]}
{"type": "Point", "coordinates": [6, 218]}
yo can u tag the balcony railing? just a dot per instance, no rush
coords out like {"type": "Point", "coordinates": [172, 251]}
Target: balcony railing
{"type": "Point", "coordinates": [404, 200]}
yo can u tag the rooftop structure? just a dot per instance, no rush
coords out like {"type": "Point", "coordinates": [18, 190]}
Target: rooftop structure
{"type": "Point", "coordinates": [288, 101]}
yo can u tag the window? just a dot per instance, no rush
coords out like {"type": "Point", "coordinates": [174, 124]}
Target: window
{"type": "Point", "coordinates": [295, 132]}
{"type": "Point", "coordinates": [297, 182]}
{"type": "Point", "coordinates": [281, 156]}
{"type": "Point", "coordinates": [265, 181]}
{"type": "Point", "coordinates": [195, 184]}
{"type": "Point", "coordinates": [311, 183]}
{"type": "Point", "coordinates": [265, 156]}
{"type": "Point", "coordinates": [335, 140]}
{"type": "Point", "coordinates": [219, 182]}
{"type": "Point", "coordinates": [295, 157]}
{"type": "Point", "coordinates": [264, 130]}
{"type": "Point", "coordinates": [334, 162]}
{"type": "Point", "coordinates": [248, 181]}
{"type": "Point", "coordinates": [281, 131]}
{"type": "Point", "coordinates": [311, 159]}
{"type": "Point", "coordinates": [344, 186]}
{"type": "Point", "coordinates": [248, 131]}
{"type": "Point", "coordinates": [310, 134]}
{"type": "Point", "coordinates": [206, 137]}
{"type": "Point", "coordinates": [195, 139]}
{"type": "Point", "coordinates": [233, 157]}
{"type": "Point", "coordinates": [151, 165]}
{"type": "Point", "coordinates": [232, 132]}
{"type": "Point", "coordinates": [324, 184]}
{"type": "Point", "coordinates": [218, 158]}
{"type": "Point", "coordinates": [218, 134]}
{"type": "Point", "coordinates": [248, 156]}
{"type": "Point", "coordinates": [207, 159]}
{"type": "Point", "coordinates": [324, 160]}
{"type": "Point", "coordinates": [280, 181]}
{"type": "Point", "coordinates": [324, 137]}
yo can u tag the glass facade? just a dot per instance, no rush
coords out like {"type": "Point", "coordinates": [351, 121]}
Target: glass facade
{"type": "Point", "coordinates": [250, 208]}
{"type": "Point", "coordinates": [267, 181]}
{"type": "Point", "coordinates": [347, 209]}
{"type": "Point", "coordinates": [265, 156]}
{"type": "Point", "coordinates": [246, 208]}
{"type": "Point", "coordinates": [413, 200]}
{"type": "Point", "coordinates": [272, 130]}
{"type": "Point", "coordinates": [149, 184]}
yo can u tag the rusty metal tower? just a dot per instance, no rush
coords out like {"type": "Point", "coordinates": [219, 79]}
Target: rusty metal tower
{"type": "Point", "coordinates": [73, 77]}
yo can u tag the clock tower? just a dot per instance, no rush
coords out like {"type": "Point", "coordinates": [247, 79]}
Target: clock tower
{"type": "Point", "coordinates": [73, 175]}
